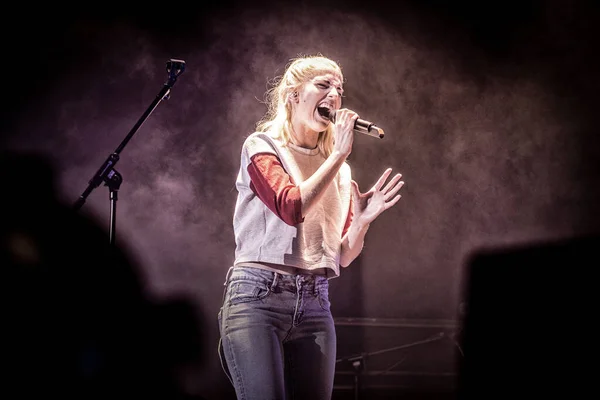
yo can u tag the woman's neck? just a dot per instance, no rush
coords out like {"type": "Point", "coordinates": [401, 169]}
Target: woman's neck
{"type": "Point", "coordinates": [303, 137]}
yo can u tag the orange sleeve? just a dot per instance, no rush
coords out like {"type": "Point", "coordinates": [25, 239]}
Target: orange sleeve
{"type": "Point", "coordinates": [272, 184]}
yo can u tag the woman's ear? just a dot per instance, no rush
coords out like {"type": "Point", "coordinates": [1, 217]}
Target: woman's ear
{"type": "Point", "coordinates": [294, 97]}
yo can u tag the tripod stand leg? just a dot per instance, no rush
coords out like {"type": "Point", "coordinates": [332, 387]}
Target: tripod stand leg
{"type": "Point", "coordinates": [358, 368]}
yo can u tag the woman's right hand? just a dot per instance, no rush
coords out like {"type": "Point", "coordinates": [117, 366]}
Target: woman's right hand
{"type": "Point", "coordinates": [343, 131]}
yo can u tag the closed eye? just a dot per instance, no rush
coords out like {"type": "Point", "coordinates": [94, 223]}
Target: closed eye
{"type": "Point", "coordinates": [326, 86]}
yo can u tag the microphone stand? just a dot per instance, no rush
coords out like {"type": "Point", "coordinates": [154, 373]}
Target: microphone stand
{"type": "Point", "coordinates": [359, 361]}
{"type": "Point", "coordinates": [107, 172]}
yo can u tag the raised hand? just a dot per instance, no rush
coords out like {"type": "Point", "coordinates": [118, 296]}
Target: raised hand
{"type": "Point", "coordinates": [368, 205]}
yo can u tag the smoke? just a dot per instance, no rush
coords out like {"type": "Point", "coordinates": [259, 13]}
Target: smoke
{"type": "Point", "coordinates": [489, 136]}
{"type": "Point", "coordinates": [486, 157]}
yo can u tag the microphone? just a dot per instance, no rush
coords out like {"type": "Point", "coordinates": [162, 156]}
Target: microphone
{"type": "Point", "coordinates": [175, 66]}
{"type": "Point", "coordinates": [360, 125]}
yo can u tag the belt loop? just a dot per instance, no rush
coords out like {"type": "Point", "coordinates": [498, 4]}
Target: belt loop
{"type": "Point", "coordinates": [317, 284]}
{"type": "Point", "coordinates": [274, 283]}
{"type": "Point", "coordinates": [229, 271]}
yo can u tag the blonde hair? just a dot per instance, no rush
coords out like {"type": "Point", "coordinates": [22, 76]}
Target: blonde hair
{"type": "Point", "coordinates": [278, 119]}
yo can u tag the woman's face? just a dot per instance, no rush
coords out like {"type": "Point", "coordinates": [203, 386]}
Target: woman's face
{"type": "Point", "coordinates": [321, 91]}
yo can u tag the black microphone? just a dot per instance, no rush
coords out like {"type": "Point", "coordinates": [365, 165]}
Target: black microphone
{"type": "Point", "coordinates": [175, 66]}
{"type": "Point", "coordinates": [360, 125]}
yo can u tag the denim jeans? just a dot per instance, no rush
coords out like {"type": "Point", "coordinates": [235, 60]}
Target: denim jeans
{"type": "Point", "coordinates": [277, 335]}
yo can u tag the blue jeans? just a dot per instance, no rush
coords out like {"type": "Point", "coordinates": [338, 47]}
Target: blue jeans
{"type": "Point", "coordinates": [277, 335]}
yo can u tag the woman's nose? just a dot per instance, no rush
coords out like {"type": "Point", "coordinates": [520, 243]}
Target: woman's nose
{"type": "Point", "coordinates": [333, 93]}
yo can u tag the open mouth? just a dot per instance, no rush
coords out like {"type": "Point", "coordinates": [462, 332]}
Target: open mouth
{"type": "Point", "coordinates": [326, 113]}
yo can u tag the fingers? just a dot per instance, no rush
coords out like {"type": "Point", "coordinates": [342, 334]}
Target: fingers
{"type": "Point", "coordinates": [390, 190]}
{"type": "Point", "coordinates": [391, 203]}
{"type": "Point", "coordinates": [382, 179]}
{"type": "Point", "coordinates": [392, 183]}
{"type": "Point", "coordinates": [346, 118]}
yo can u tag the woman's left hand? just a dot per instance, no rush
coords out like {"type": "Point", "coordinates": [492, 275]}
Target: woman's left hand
{"type": "Point", "coordinates": [368, 205]}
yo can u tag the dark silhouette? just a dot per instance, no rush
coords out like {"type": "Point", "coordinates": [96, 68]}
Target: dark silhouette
{"type": "Point", "coordinates": [528, 326]}
{"type": "Point", "coordinates": [76, 319]}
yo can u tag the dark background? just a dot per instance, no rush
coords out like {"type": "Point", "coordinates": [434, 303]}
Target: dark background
{"type": "Point", "coordinates": [489, 110]}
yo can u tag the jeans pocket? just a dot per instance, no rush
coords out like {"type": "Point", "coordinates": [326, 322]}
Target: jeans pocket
{"type": "Point", "coordinates": [246, 291]}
